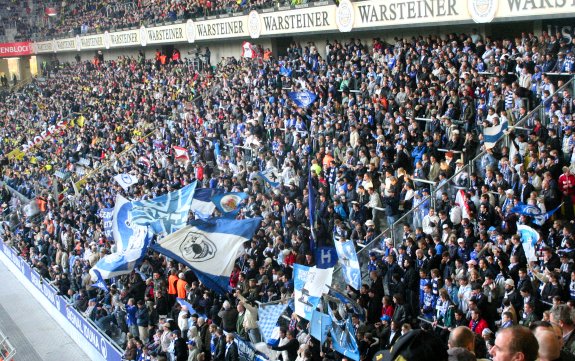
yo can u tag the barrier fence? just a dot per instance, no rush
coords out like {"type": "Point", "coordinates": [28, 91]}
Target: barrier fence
{"type": "Point", "coordinates": [459, 180]}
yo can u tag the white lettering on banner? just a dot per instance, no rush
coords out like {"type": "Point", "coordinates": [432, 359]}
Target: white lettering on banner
{"type": "Point", "coordinates": [45, 134]}
{"type": "Point", "coordinates": [14, 49]}
{"type": "Point", "coordinates": [19, 262]}
{"type": "Point", "coordinates": [36, 281]}
{"type": "Point", "coordinates": [325, 256]}
{"type": "Point", "coordinates": [95, 339]}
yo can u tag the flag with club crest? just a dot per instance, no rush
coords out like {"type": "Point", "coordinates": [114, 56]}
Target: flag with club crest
{"type": "Point", "coordinates": [202, 204]}
{"type": "Point", "coordinates": [125, 180]}
{"type": "Point", "coordinates": [210, 248]}
{"type": "Point", "coordinates": [229, 204]}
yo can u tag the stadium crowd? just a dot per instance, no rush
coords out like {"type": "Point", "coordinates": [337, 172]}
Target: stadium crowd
{"type": "Point", "coordinates": [459, 278]}
{"type": "Point", "coordinates": [89, 16]}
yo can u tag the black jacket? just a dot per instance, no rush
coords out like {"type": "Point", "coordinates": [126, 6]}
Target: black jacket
{"type": "Point", "coordinates": [232, 353]}
{"type": "Point", "coordinates": [291, 347]}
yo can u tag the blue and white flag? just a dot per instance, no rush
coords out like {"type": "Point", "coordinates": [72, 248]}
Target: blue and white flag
{"type": "Point", "coordinates": [285, 71]}
{"type": "Point", "coordinates": [491, 135]}
{"type": "Point", "coordinates": [107, 215]}
{"type": "Point", "coordinates": [543, 217]}
{"type": "Point", "coordinates": [526, 210]}
{"type": "Point", "coordinates": [348, 302]}
{"type": "Point", "coordinates": [125, 180]}
{"type": "Point", "coordinates": [270, 176]}
{"type": "Point", "coordinates": [325, 257]}
{"type": "Point", "coordinates": [191, 308]}
{"type": "Point", "coordinates": [344, 339]}
{"type": "Point", "coordinates": [320, 325]}
{"type": "Point", "coordinates": [210, 248]}
{"type": "Point", "coordinates": [309, 285]}
{"type": "Point", "coordinates": [202, 204]}
{"type": "Point", "coordinates": [132, 242]}
{"type": "Point", "coordinates": [539, 218]}
{"type": "Point", "coordinates": [100, 282]}
{"type": "Point", "coordinates": [302, 98]}
{"type": "Point", "coordinates": [167, 213]}
{"type": "Point", "coordinates": [268, 316]}
{"type": "Point", "coordinates": [121, 263]}
{"type": "Point", "coordinates": [349, 262]}
{"type": "Point", "coordinates": [229, 204]}
{"type": "Point", "coordinates": [529, 238]}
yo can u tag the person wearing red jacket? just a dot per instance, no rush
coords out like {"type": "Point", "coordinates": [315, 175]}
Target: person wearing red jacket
{"type": "Point", "coordinates": [567, 187]}
{"type": "Point", "coordinates": [477, 324]}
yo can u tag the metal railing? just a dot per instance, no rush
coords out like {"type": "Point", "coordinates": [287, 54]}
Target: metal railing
{"type": "Point", "coordinates": [7, 351]}
{"type": "Point", "coordinates": [459, 180]}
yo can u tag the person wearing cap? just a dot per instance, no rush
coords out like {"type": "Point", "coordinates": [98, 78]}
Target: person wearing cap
{"type": "Point", "coordinates": [193, 351]}
{"type": "Point", "coordinates": [512, 296]}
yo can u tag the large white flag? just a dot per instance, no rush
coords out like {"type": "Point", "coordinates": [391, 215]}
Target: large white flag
{"type": "Point", "coordinates": [210, 248]}
{"type": "Point", "coordinates": [125, 180]}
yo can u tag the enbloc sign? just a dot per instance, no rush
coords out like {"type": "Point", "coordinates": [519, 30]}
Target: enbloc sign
{"type": "Point", "coordinates": [15, 49]}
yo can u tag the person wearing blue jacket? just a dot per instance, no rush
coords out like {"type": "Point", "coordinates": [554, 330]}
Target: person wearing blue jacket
{"type": "Point", "coordinates": [428, 302]}
{"type": "Point", "coordinates": [131, 310]}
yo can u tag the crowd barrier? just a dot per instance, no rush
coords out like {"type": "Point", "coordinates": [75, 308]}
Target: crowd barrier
{"type": "Point", "coordinates": [86, 335]}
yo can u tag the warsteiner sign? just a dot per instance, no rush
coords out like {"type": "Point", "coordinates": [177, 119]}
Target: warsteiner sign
{"type": "Point", "coordinates": [312, 19]}
{"type": "Point", "coordinates": [370, 14]}
{"type": "Point", "coordinates": [166, 34]}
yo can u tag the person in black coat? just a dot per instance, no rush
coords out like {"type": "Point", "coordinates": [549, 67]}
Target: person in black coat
{"type": "Point", "coordinates": [231, 349]}
{"type": "Point", "coordinates": [180, 347]}
{"type": "Point", "coordinates": [390, 335]}
{"type": "Point", "coordinates": [292, 346]}
{"type": "Point", "coordinates": [220, 353]}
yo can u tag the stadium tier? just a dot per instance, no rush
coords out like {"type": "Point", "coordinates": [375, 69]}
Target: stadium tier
{"type": "Point", "coordinates": [254, 181]}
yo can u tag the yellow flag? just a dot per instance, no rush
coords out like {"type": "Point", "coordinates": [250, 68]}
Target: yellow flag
{"type": "Point", "coordinates": [80, 121]}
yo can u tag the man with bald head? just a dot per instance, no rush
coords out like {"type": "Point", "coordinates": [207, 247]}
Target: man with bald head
{"type": "Point", "coordinates": [515, 343]}
{"type": "Point", "coordinates": [549, 345]}
{"type": "Point", "coordinates": [461, 344]}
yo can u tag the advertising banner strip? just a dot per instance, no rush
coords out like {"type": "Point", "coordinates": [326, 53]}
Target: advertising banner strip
{"type": "Point", "coordinates": [90, 333]}
{"type": "Point", "coordinates": [312, 19]}
{"type": "Point", "coordinates": [15, 49]}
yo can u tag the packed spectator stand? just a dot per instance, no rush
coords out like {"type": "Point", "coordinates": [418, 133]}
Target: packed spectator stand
{"type": "Point", "coordinates": [89, 16]}
{"type": "Point", "coordinates": [395, 134]}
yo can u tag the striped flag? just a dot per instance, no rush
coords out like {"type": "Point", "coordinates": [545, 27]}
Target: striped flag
{"type": "Point", "coordinates": [491, 135]}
